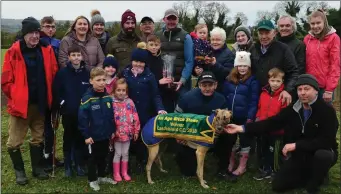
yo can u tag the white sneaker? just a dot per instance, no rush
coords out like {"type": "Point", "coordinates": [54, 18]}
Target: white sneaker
{"type": "Point", "coordinates": [106, 180]}
{"type": "Point", "coordinates": [94, 185]}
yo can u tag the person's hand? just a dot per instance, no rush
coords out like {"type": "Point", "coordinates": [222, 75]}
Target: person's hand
{"type": "Point", "coordinates": [136, 136]}
{"type": "Point", "coordinates": [89, 141]}
{"type": "Point", "coordinates": [257, 119]}
{"type": "Point", "coordinates": [327, 96]}
{"type": "Point", "coordinates": [183, 142]}
{"type": "Point", "coordinates": [232, 129]}
{"type": "Point", "coordinates": [288, 148]}
{"type": "Point", "coordinates": [285, 97]}
{"type": "Point", "coordinates": [249, 121]}
{"type": "Point", "coordinates": [165, 80]}
{"type": "Point", "coordinates": [198, 70]}
{"type": "Point", "coordinates": [162, 112]}
{"type": "Point", "coordinates": [213, 61]}
{"type": "Point", "coordinates": [179, 84]}
{"type": "Point", "coordinates": [112, 135]}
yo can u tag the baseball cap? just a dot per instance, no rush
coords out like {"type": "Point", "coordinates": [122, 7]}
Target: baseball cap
{"type": "Point", "coordinates": [146, 18]}
{"type": "Point", "coordinates": [207, 76]}
{"type": "Point", "coordinates": [170, 12]}
{"type": "Point", "coordinates": [265, 24]}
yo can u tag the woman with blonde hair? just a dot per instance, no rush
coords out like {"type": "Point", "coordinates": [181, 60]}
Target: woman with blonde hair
{"type": "Point", "coordinates": [80, 34]}
{"type": "Point", "coordinates": [323, 54]}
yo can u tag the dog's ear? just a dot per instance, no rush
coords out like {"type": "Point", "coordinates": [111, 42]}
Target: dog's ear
{"type": "Point", "coordinates": [215, 112]}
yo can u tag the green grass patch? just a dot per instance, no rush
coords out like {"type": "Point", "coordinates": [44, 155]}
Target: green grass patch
{"type": "Point", "coordinates": [164, 183]}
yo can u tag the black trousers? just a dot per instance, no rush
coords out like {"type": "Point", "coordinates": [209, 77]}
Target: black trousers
{"type": "Point", "coordinates": [96, 160]}
{"type": "Point", "coordinates": [223, 148]}
{"type": "Point", "coordinates": [270, 150]}
{"type": "Point", "coordinates": [72, 136]}
{"type": "Point", "coordinates": [186, 160]}
{"type": "Point", "coordinates": [304, 170]}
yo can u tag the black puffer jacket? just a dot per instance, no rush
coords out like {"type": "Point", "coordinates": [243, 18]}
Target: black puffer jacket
{"type": "Point", "coordinates": [297, 47]}
{"type": "Point", "coordinates": [277, 55]}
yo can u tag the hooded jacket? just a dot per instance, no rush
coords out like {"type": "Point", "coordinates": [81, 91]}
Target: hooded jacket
{"type": "Point", "coordinates": [323, 59]}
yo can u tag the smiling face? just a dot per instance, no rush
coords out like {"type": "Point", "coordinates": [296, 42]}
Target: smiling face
{"type": "Point", "coordinates": [121, 91]}
{"type": "Point", "coordinates": [285, 27]}
{"type": "Point", "coordinates": [32, 39]}
{"type": "Point", "coordinates": [217, 41]}
{"type": "Point", "coordinates": [129, 26]}
{"type": "Point", "coordinates": [153, 47]}
{"type": "Point", "coordinates": [171, 22]}
{"type": "Point", "coordinates": [242, 69]}
{"type": "Point", "coordinates": [98, 29]}
{"type": "Point", "coordinates": [241, 38]}
{"type": "Point", "coordinates": [75, 58]}
{"type": "Point", "coordinates": [266, 36]}
{"type": "Point", "coordinates": [81, 27]}
{"type": "Point", "coordinates": [316, 25]}
{"type": "Point", "coordinates": [207, 88]}
{"type": "Point", "coordinates": [147, 27]}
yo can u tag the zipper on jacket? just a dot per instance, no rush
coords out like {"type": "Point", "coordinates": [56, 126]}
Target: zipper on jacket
{"type": "Point", "coordinates": [267, 112]}
{"type": "Point", "coordinates": [170, 36]}
{"type": "Point", "coordinates": [235, 92]}
{"type": "Point", "coordinates": [303, 123]}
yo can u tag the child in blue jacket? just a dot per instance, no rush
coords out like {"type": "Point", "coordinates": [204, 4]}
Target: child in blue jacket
{"type": "Point", "coordinates": [96, 123]}
{"type": "Point", "coordinates": [241, 90]}
{"type": "Point", "coordinates": [143, 90]}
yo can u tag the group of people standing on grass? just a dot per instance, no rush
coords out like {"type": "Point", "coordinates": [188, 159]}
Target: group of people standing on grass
{"type": "Point", "coordinates": [107, 88]}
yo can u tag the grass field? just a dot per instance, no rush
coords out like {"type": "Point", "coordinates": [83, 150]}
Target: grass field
{"type": "Point", "coordinates": [164, 183]}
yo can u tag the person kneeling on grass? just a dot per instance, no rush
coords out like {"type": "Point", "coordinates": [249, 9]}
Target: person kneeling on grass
{"type": "Point", "coordinates": [96, 123]}
{"type": "Point", "coordinates": [310, 127]}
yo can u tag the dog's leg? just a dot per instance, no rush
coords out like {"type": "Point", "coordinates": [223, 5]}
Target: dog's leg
{"type": "Point", "coordinates": [201, 153]}
{"type": "Point", "coordinates": [159, 163]}
{"type": "Point", "coordinates": [153, 152]}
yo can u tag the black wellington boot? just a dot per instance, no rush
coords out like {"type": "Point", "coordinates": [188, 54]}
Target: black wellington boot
{"type": "Point", "coordinates": [18, 166]}
{"type": "Point", "coordinates": [36, 153]}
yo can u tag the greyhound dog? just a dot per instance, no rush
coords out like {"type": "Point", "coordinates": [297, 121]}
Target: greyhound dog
{"type": "Point", "coordinates": [219, 119]}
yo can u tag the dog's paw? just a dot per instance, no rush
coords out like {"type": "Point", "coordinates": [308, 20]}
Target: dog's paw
{"type": "Point", "coordinates": [164, 171]}
{"type": "Point", "coordinates": [205, 182]}
{"type": "Point", "coordinates": [205, 186]}
{"type": "Point", "coordinates": [151, 182]}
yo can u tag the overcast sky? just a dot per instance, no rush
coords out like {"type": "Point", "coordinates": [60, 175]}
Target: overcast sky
{"type": "Point", "coordinates": [112, 10]}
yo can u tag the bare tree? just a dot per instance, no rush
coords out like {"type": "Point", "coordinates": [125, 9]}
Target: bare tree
{"type": "Point", "coordinates": [242, 17]}
{"type": "Point", "coordinates": [261, 15]}
{"type": "Point", "coordinates": [292, 8]}
{"type": "Point", "coordinates": [182, 8]}
{"type": "Point", "coordinates": [209, 14]}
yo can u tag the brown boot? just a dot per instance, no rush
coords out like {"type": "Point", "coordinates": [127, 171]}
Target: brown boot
{"type": "Point", "coordinates": [242, 164]}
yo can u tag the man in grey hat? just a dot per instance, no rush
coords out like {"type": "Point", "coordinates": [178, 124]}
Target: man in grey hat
{"type": "Point", "coordinates": [147, 28]}
{"type": "Point", "coordinates": [178, 42]}
{"type": "Point", "coordinates": [310, 126]}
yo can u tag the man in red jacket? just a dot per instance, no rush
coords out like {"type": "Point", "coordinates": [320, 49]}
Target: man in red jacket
{"type": "Point", "coordinates": [28, 70]}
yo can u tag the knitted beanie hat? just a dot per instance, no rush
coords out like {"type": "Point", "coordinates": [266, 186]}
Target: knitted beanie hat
{"type": "Point", "coordinates": [110, 61]}
{"type": "Point", "coordinates": [244, 29]}
{"type": "Point", "coordinates": [307, 79]}
{"type": "Point", "coordinates": [128, 15]}
{"type": "Point", "coordinates": [96, 18]}
{"type": "Point", "coordinates": [140, 53]}
{"type": "Point", "coordinates": [29, 24]}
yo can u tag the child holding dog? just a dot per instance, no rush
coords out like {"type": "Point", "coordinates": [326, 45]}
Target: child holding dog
{"type": "Point", "coordinates": [144, 92]}
{"type": "Point", "coordinates": [270, 145]}
{"type": "Point", "coordinates": [241, 90]}
{"type": "Point", "coordinates": [96, 123]}
{"type": "Point", "coordinates": [127, 128]}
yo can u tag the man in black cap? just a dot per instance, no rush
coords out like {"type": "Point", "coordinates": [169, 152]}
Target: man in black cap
{"type": "Point", "coordinates": [268, 53]}
{"type": "Point", "coordinates": [203, 101]}
{"type": "Point", "coordinates": [147, 28]}
{"type": "Point", "coordinates": [27, 74]}
{"type": "Point", "coordinates": [310, 127]}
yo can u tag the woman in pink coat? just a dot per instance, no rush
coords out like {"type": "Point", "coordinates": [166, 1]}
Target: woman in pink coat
{"type": "Point", "coordinates": [323, 54]}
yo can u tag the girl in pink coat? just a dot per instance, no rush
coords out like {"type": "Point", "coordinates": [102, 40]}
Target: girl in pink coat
{"type": "Point", "coordinates": [127, 128]}
{"type": "Point", "coordinates": [323, 54]}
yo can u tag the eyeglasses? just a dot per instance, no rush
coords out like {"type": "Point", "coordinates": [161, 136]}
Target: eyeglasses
{"type": "Point", "coordinates": [50, 26]}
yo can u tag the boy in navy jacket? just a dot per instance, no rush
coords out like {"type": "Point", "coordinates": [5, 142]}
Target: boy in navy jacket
{"type": "Point", "coordinates": [70, 83]}
{"type": "Point", "coordinates": [96, 123]}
